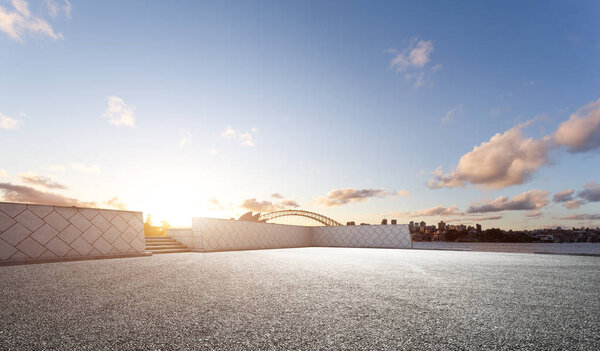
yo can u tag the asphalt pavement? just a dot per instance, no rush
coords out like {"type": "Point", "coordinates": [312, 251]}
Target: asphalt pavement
{"type": "Point", "coordinates": [305, 298]}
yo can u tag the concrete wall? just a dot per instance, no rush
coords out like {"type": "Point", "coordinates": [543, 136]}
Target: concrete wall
{"type": "Point", "coordinates": [222, 234]}
{"type": "Point", "coordinates": [210, 234]}
{"type": "Point", "coordinates": [390, 236]}
{"type": "Point", "coordinates": [36, 232]}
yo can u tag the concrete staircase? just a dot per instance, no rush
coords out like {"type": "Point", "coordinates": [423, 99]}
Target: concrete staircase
{"type": "Point", "coordinates": [164, 244]}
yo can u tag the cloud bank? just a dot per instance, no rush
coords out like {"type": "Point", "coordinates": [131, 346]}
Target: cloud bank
{"type": "Point", "coordinates": [21, 193]}
{"type": "Point", "coordinates": [529, 200]}
{"type": "Point", "coordinates": [582, 217]}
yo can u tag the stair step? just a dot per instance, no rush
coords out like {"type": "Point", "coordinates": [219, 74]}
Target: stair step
{"type": "Point", "coordinates": [150, 248]}
{"type": "Point", "coordinates": [160, 241]}
{"type": "Point", "coordinates": [163, 251]}
{"type": "Point", "coordinates": [163, 244]}
{"type": "Point", "coordinates": [158, 237]}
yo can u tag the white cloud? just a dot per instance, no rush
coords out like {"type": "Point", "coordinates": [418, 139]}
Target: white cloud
{"type": "Point", "coordinates": [185, 137]}
{"type": "Point", "coordinates": [67, 8]}
{"type": "Point", "coordinates": [245, 138]}
{"type": "Point", "coordinates": [85, 168]}
{"type": "Point", "coordinates": [529, 200]}
{"type": "Point", "coordinates": [19, 21]}
{"type": "Point", "coordinates": [581, 132]}
{"type": "Point", "coordinates": [591, 192]}
{"type": "Point", "coordinates": [534, 214]}
{"type": "Point", "coordinates": [228, 133]}
{"type": "Point", "coordinates": [54, 8]}
{"type": "Point", "coordinates": [506, 159]}
{"type": "Point", "coordinates": [563, 196]}
{"type": "Point", "coordinates": [8, 123]}
{"type": "Point", "coordinates": [268, 206]}
{"type": "Point", "coordinates": [437, 211]}
{"type": "Point", "coordinates": [416, 55]}
{"type": "Point", "coordinates": [418, 78]}
{"type": "Point", "coordinates": [119, 112]}
{"type": "Point", "coordinates": [413, 60]}
{"type": "Point", "coordinates": [510, 159]}
{"type": "Point", "coordinates": [116, 204]}
{"type": "Point", "coordinates": [40, 181]}
{"type": "Point", "coordinates": [345, 196]}
{"type": "Point", "coordinates": [450, 114]}
{"type": "Point", "coordinates": [573, 204]}
{"type": "Point", "coordinates": [402, 193]}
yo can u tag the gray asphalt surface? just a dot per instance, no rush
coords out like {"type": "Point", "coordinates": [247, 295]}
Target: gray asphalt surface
{"type": "Point", "coordinates": [307, 298]}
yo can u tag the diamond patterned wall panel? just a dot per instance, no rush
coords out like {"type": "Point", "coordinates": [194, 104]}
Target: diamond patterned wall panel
{"type": "Point", "coordinates": [389, 236]}
{"type": "Point", "coordinates": [30, 232]}
{"type": "Point", "coordinates": [222, 234]}
{"type": "Point", "coordinates": [218, 234]}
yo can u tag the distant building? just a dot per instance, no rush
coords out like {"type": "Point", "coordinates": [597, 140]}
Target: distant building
{"type": "Point", "coordinates": [384, 221]}
{"type": "Point", "coordinates": [350, 223]}
{"type": "Point", "coordinates": [478, 226]}
{"type": "Point", "coordinates": [441, 227]}
{"type": "Point", "coordinates": [394, 222]}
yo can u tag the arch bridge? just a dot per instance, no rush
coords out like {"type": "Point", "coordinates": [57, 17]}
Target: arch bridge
{"type": "Point", "coordinates": [299, 213]}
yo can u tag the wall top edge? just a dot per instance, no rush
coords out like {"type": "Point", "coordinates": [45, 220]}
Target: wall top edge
{"type": "Point", "coordinates": [63, 206]}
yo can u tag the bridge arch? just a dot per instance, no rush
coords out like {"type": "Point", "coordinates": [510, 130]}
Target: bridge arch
{"type": "Point", "coordinates": [300, 213]}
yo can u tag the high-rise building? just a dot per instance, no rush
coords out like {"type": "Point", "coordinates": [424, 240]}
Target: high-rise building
{"type": "Point", "coordinates": [441, 226]}
{"type": "Point", "coordinates": [423, 224]}
{"type": "Point", "coordinates": [478, 226]}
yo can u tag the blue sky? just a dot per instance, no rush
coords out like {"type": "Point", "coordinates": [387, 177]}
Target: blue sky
{"type": "Point", "coordinates": [345, 108]}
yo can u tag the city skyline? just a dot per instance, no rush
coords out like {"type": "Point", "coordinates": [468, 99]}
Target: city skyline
{"type": "Point", "coordinates": [487, 113]}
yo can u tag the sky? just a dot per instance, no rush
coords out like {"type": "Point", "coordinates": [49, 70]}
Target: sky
{"type": "Point", "coordinates": [465, 111]}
